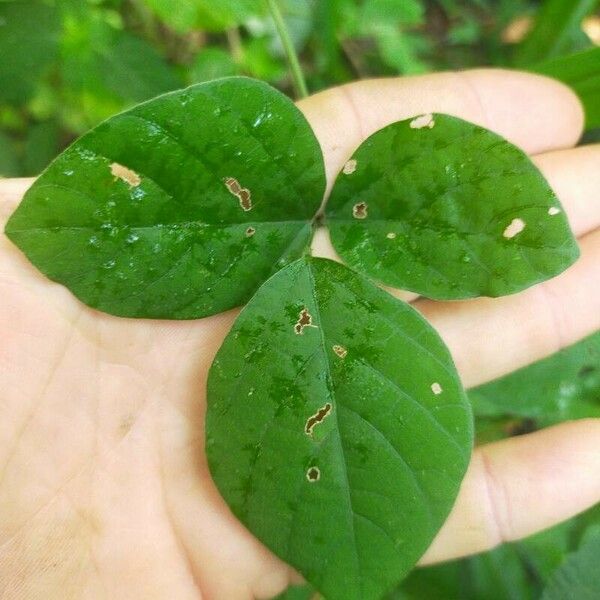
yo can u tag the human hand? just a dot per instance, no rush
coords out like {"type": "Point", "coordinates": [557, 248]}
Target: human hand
{"type": "Point", "coordinates": [104, 488]}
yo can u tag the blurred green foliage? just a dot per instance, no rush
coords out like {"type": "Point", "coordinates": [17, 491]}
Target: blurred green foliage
{"type": "Point", "coordinates": [67, 64]}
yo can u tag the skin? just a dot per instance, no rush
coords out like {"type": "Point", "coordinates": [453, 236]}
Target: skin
{"type": "Point", "coordinates": [104, 488]}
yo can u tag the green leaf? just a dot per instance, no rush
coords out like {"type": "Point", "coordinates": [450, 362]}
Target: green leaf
{"type": "Point", "coordinates": [582, 73]}
{"type": "Point", "coordinates": [337, 429]}
{"type": "Point", "coordinates": [579, 576]}
{"type": "Point", "coordinates": [9, 162]}
{"type": "Point", "coordinates": [41, 146]}
{"type": "Point", "coordinates": [562, 387]}
{"type": "Point", "coordinates": [496, 575]}
{"type": "Point", "coordinates": [180, 207]}
{"type": "Point", "coordinates": [447, 209]}
{"type": "Point", "coordinates": [393, 12]}
{"type": "Point", "coordinates": [187, 15]}
{"type": "Point", "coordinates": [212, 63]}
{"type": "Point", "coordinates": [515, 571]}
{"type": "Point", "coordinates": [556, 25]}
{"type": "Point", "coordinates": [259, 61]}
{"type": "Point", "coordinates": [28, 46]}
{"type": "Point", "coordinates": [107, 69]}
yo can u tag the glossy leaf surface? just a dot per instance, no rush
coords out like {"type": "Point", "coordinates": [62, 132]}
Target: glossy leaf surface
{"type": "Point", "coordinates": [337, 428]}
{"type": "Point", "coordinates": [447, 209]}
{"type": "Point", "coordinates": [180, 207]}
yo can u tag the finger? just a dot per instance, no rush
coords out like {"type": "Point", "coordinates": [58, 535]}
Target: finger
{"type": "Point", "coordinates": [11, 192]}
{"type": "Point", "coordinates": [534, 112]}
{"type": "Point", "coordinates": [489, 337]}
{"type": "Point", "coordinates": [574, 175]}
{"type": "Point", "coordinates": [519, 486]}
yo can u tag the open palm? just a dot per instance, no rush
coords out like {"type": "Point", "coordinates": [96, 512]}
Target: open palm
{"type": "Point", "coordinates": [104, 488]}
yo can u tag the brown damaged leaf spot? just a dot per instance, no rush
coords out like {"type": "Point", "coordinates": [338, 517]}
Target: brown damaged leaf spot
{"type": "Point", "coordinates": [317, 418]}
{"type": "Point", "coordinates": [304, 320]}
{"type": "Point", "coordinates": [313, 474]}
{"type": "Point", "coordinates": [359, 211]}
{"type": "Point", "coordinates": [250, 231]}
{"type": "Point", "coordinates": [245, 199]}
{"type": "Point", "coordinates": [124, 174]}
{"type": "Point", "coordinates": [242, 194]}
{"type": "Point", "coordinates": [340, 351]}
{"type": "Point", "coordinates": [233, 186]}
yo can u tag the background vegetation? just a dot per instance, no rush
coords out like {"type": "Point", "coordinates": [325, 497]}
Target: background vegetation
{"type": "Point", "coordinates": [67, 64]}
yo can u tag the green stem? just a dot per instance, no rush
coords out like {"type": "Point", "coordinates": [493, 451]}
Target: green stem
{"type": "Point", "coordinates": [290, 51]}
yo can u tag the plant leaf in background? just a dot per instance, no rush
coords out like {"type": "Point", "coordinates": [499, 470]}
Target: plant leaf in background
{"type": "Point", "coordinates": [106, 68]}
{"type": "Point", "coordinates": [41, 146]}
{"type": "Point", "coordinates": [556, 30]}
{"type": "Point", "coordinates": [561, 387]}
{"type": "Point", "coordinates": [208, 15]}
{"type": "Point", "coordinates": [180, 207]}
{"type": "Point", "coordinates": [512, 571]}
{"type": "Point", "coordinates": [29, 34]}
{"type": "Point", "coordinates": [389, 23]}
{"type": "Point", "coordinates": [581, 72]}
{"type": "Point", "coordinates": [579, 576]}
{"type": "Point", "coordinates": [9, 164]}
{"type": "Point", "coordinates": [344, 451]}
{"type": "Point", "coordinates": [447, 209]}
{"type": "Point", "coordinates": [212, 63]}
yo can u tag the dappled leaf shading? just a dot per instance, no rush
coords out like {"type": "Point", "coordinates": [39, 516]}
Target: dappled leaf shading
{"type": "Point", "coordinates": [139, 217]}
{"type": "Point", "coordinates": [450, 210]}
{"type": "Point", "coordinates": [345, 464]}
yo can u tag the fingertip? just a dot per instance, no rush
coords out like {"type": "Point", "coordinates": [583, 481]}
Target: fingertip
{"type": "Point", "coordinates": [533, 111]}
{"type": "Point", "coordinates": [522, 485]}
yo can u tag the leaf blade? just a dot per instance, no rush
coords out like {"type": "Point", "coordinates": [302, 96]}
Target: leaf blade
{"type": "Point", "coordinates": [333, 421]}
{"type": "Point", "coordinates": [145, 197]}
{"type": "Point", "coordinates": [418, 208]}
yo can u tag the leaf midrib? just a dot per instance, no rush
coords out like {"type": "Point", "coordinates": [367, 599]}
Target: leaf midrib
{"type": "Point", "coordinates": [335, 414]}
{"type": "Point", "coordinates": [183, 225]}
